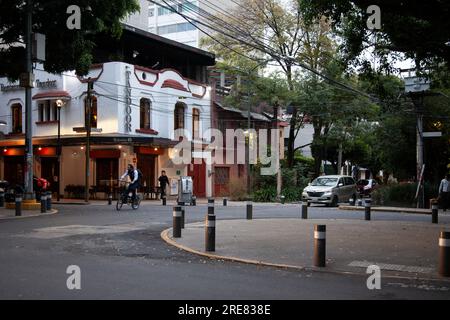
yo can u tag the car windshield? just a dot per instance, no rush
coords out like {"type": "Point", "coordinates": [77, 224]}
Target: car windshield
{"type": "Point", "coordinates": [324, 182]}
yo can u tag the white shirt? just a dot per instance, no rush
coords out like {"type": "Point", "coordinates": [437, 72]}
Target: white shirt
{"type": "Point", "coordinates": [136, 176]}
{"type": "Point", "coordinates": [444, 187]}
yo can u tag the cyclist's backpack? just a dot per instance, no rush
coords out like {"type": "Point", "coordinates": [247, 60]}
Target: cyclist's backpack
{"type": "Point", "coordinates": [140, 176]}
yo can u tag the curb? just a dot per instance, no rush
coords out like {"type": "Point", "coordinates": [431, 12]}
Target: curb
{"type": "Point", "coordinates": [53, 211]}
{"type": "Point", "coordinates": [392, 209]}
{"type": "Point", "coordinates": [165, 236]}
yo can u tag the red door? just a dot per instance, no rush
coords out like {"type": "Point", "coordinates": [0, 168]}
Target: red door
{"type": "Point", "coordinates": [198, 174]}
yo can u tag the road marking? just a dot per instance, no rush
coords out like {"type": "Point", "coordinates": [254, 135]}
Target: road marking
{"type": "Point", "coordinates": [75, 230]}
{"type": "Point", "coordinates": [392, 267]}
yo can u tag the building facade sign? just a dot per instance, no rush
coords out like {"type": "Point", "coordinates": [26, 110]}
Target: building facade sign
{"type": "Point", "coordinates": [49, 84]}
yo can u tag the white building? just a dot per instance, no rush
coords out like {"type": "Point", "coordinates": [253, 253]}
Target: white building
{"type": "Point", "coordinates": [168, 24]}
{"type": "Point", "coordinates": [134, 113]}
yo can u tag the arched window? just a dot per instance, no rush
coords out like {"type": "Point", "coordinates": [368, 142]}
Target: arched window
{"type": "Point", "coordinates": [195, 123]}
{"type": "Point", "coordinates": [179, 115]}
{"type": "Point", "coordinates": [145, 109]}
{"type": "Point", "coordinates": [93, 112]}
{"type": "Point", "coordinates": [16, 110]}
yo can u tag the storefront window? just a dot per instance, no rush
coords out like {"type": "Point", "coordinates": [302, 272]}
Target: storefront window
{"type": "Point", "coordinates": [145, 109]}
{"type": "Point", "coordinates": [16, 111]}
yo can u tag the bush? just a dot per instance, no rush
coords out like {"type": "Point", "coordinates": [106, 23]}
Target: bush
{"type": "Point", "coordinates": [238, 190]}
{"type": "Point", "coordinates": [402, 194]}
{"type": "Point", "coordinates": [265, 194]}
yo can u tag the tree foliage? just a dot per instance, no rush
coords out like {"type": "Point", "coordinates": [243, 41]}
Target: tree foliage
{"type": "Point", "coordinates": [65, 49]}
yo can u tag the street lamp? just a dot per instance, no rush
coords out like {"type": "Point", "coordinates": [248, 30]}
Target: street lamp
{"type": "Point", "coordinates": [59, 104]}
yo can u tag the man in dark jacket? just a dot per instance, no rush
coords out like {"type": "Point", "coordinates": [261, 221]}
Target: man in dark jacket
{"type": "Point", "coordinates": [163, 182]}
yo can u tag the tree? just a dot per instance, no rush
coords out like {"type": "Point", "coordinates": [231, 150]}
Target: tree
{"type": "Point", "coordinates": [65, 49]}
{"type": "Point", "coordinates": [273, 32]}
{"type": "Point", "coordinates": [418, 29]}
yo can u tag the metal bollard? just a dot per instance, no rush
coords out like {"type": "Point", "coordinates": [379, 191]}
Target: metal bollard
{"type": "Point", "coordinates": [183, 213]}
{"type": "Point", "coordinates": [320, 246]}
{"type": "Point", "coordinates": [225, 202]}
{"type": "Point", "coordinates": [43, 203]}
{"type": "Point", "coordinates": [351, 202]}
{"type": "Point", "coordinates": [164, 201]}
{"type": "Point", "coordinates": [110, 198]}
{"type": "Point", "coordinates": [304, 211]}
{"type": "Point", "coordinates": [444, 254]}
{"type": "Point", "coordinates": [249, 210]}
{"type": "Point", "coordinates": [434, 212]}
{"type": "Point", "coordinates": [211, 206]}
{"type": "Point", "coordinates": [194, 201]}
{"type": "Point", "coordinates": [177, 222]}
{"type": "Point", "coordinates": [2, 199]}
{"type": "Point", "coordinates": [367, 209]}
{"type": "Point", "coordinates": [49, 201]}
{"type": "Point", "coordinates": [283, 199]}
{"type": "Point", "coordinates": [360, 202]}
{"type": "Point", "coordinates": [210, 233]}
{"type": "Point", "coordinates": [18, 205]}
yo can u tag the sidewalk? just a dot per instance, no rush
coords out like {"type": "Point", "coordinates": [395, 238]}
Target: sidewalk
{"type": "Point", "coordinates": [400, 249]}
{"type": "Point", "coordinates": [11, 214]}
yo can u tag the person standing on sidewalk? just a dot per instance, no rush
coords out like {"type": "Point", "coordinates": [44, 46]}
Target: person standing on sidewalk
{"type": "Point", "coordinates": [444, 189]}
{"type": "Point", "coordinates": [163, 183]}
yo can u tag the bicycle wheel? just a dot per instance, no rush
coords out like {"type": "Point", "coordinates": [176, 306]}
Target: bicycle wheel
{"type": "Point", "coordinates": [137, 203]}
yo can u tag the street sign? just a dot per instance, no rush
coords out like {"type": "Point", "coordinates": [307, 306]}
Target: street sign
{"type": "Point", "coordinates": [416, 84]}
{"type": "Point", "coordinates": [436, 134]}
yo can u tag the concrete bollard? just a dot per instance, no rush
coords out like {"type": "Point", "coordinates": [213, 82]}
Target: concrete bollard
{"type": "Point", "coordinates": [183, 213]}
{"type": "Point", "coordinates": [320, 246]}
{"type": "Point", "coordinates": [225, 202]}
{"type": "Point", "coordinates": [43, 202]}
{"type": "Point", "coordinates": [210, 233]}
{"type": "Point", "coordinates": [304, 211]}
{"type": "Point", "coordinates": [177, 222]}
{"type": "Point", "coordinates": [2, 199]}
{"type": "Point", "coordinates": [49, 201]}
{"type": "Point", "coordinates": [18, 205]}
{"type": "Point", "coordinates": [444, 254]}
{"type": "Point", "coordinates": [434, 212]}
{"type": "Point", "coordinates": [367, 209]}
{"type": "Point", "coordinates": [249, 210]}
{"type": "Point", "coordinates": [211, 206]}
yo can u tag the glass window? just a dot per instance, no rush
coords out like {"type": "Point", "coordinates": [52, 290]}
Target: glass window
{"type": "Point", "coordinates": [179, 116]}
{"type": "Point", "coordinates": [41, 112]}
{"type": "Point", "coordinates": [145, 109]}
{"type": "Point", "coordinates": [16, 111]}
{"type": "Point", "coordinates": [55, 111]}
{"type": "Point", "coordinates": [195, 123]}
{"type": "Point", "coordinates": [47, 110]}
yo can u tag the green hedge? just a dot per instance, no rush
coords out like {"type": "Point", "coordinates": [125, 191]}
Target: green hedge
{"type": "Point", "coordinates": [402, 194]}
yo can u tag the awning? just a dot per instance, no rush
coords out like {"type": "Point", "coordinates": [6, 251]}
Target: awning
{"type": "Point", "coordinates": [64, 95]}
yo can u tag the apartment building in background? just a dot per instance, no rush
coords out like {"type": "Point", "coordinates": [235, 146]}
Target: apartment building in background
{"type": "Point", "coordinates": [166, 23]}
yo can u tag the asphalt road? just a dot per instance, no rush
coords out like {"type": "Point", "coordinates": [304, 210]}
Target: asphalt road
{"type": "Point", "coordinates": [121, 256]}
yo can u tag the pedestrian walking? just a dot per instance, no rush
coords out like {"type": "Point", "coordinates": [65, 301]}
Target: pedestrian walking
{"type": "Point", "coordinates": [163, 183]}
{"type": "Point", "coordinates": [444, 190]}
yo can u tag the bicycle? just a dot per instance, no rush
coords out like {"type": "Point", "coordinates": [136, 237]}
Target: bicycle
{"type": "Point", "coordinates": [126, 199]}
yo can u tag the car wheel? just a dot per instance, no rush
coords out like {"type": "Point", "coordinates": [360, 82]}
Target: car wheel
{"type": "Point", "coordinates": [335, 201]}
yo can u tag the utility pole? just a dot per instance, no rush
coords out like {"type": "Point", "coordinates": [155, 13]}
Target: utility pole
{"type": "Point", "coordinates": [88, 137]}
{"type": "Point", "coordinates": [247, 149]}
{"type": "Point", "coordinates": [275, 127]}
{"type": "Point", "coordinates": [27, 82]}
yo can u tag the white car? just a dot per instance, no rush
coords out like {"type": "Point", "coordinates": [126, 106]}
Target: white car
{"type": "Point", "coordinates": [330, 190]}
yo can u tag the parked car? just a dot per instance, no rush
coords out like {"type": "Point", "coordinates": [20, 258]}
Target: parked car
{"type": "Point", "coordinates": [330, 190]}
{"type": "Point", "coordinates": [366, 186]}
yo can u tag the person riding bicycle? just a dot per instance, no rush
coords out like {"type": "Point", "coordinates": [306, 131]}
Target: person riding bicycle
{"type": "Point", "coordinates": [134, 178]}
